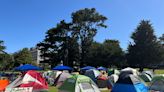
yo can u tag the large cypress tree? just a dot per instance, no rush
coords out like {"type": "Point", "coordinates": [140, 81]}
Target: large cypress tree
{"type": "Point", "coordinates": [144, 50]}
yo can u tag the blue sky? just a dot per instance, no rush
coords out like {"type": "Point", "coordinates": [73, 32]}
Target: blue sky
{"type": "Point", "coordinates": [23, 23]}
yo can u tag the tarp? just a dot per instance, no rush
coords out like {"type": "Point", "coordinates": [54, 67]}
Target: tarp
{"type": "Point", "coordinates": [27, 67]}
{"type": "Point", "coordinates": [3, 84]}
{"type": "Point", "coordinates": [88, 68]}
{"type": "Point", "coordinates": [30, 79]}
{"type": "Point", "coordinates": [102, 68]}
{"type": "Point", "coordinates": [61, 67]}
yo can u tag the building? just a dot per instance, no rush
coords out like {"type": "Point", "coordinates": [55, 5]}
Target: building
{"type": "Point", "coordinates": [36, 55]}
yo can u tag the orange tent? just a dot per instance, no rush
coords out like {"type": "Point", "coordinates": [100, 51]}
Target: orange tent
{"type": "Point", "coordinates": [3, 84]}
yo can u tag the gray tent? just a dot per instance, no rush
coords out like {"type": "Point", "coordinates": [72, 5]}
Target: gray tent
{"type": "Point", "coordinates": [61, 78]}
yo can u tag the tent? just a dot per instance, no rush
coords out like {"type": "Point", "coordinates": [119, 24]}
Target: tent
{"type": "Point", "coordinates": [112, 79]}
{"type": "Point", "coordinates": [145, 77]}
{"type": "Point", "coordinates": [129, 83]}
{"type": "Point", "coordinates": [157, 83]}
{"type": "Point", "coordinates": [78, 83]}
{"type": "Point", "coordinates": [61, 78]}
{"type": "Point", "coordinates": [62, 67]}
{"type": "Point", "coordinates": [150, 73]}
{"type": "Point", "coordinates": [30, 79]}
{"type": "Point", "coordinates": [93, 74]}
{"type": "Point", "coordinates": [27, 67]}
{"type": "Point", "coordinates": [50, 76]}
{"type": "Point", "coordinates": [3, 84]}
{"type": "Point", "coordinates": [88, 68]}
{"type": "Point", "coordinates": [134, 71]}
{"type": "Point", "coordinates": [113, 71]}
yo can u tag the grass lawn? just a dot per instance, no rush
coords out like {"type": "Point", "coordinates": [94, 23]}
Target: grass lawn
{"type": "Point", "coordinates": [161, 71]}
{"type": "Point", "coordinates": [53, 89]}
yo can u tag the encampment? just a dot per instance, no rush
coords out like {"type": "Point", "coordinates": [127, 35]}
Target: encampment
{"type": "Point", "coordinates": [31, 79]}
{"type": "Point", "coordinates": [78, 83]}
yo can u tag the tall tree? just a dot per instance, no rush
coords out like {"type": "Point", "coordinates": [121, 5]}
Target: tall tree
{"type": "Point", "coordinates": [23, 56]}
{"type": "Point", "coordinates": [86, 22]}
{"type": "Point", "coordinates": [144, 50]}
{"type": "Point", "coordinates": [114, 53]}
{"type": "Point", "coordinates": [59, 45]}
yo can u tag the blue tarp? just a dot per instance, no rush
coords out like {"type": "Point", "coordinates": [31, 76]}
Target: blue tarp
{"type": "Point", "coordinates": [27, 67]}
{"type": "Point", "coordinates": [61, 67]}
{"type": "Point", "coordinates": [102, 68]}
{"type": "Point", "coordinates": [139, 87]}
{"type": "Point", "coordinates": [88, 68]}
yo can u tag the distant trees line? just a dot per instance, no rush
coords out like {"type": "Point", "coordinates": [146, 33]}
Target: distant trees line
{"type": "Point", "coordinates": [73, 43]}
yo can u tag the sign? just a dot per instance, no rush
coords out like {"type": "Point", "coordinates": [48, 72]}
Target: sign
{"type": "Point", "coordinates": [21, 89]}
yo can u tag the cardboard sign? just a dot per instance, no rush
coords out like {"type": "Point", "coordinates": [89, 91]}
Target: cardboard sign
{"type": "Point", "coordinates": [21, 89]}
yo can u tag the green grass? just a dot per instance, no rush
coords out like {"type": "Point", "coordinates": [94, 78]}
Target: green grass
{"type": "Point", "coordinates": [53, 89]}
{"type": "Point", "coordinates": [161, 71]}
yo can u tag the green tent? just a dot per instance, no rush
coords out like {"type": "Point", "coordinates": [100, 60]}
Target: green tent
{"type": "Point", "coordinates": [78, 83]}
{"type": "Point", "coordinates": [157, 83]}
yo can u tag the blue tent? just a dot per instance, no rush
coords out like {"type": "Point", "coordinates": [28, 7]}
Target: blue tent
{"type": "Point", "coordinates": [129, 83]}
{"type": "Point", "coordinates": [27, 67]}
{"type": "Point", "coordinates": [88, 68]}
{"type": "Point", "coordinates": [102, 68]}
{"type": "Point", "coordinates": [140, 87]}
{"type": "Point", "coordinates": [61, 67]}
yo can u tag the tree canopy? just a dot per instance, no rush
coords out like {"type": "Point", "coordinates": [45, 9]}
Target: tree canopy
{"type": "Point", "coordinates": [86, 22]}
{"type": "Point", "coordinates": [70, 42]}
{"type": "Point", "coordinates": [144, 50]}
{"type": "Point", "coordinates": [23, 57]}
{"type": "Point", "coordinates": [108, 53]}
